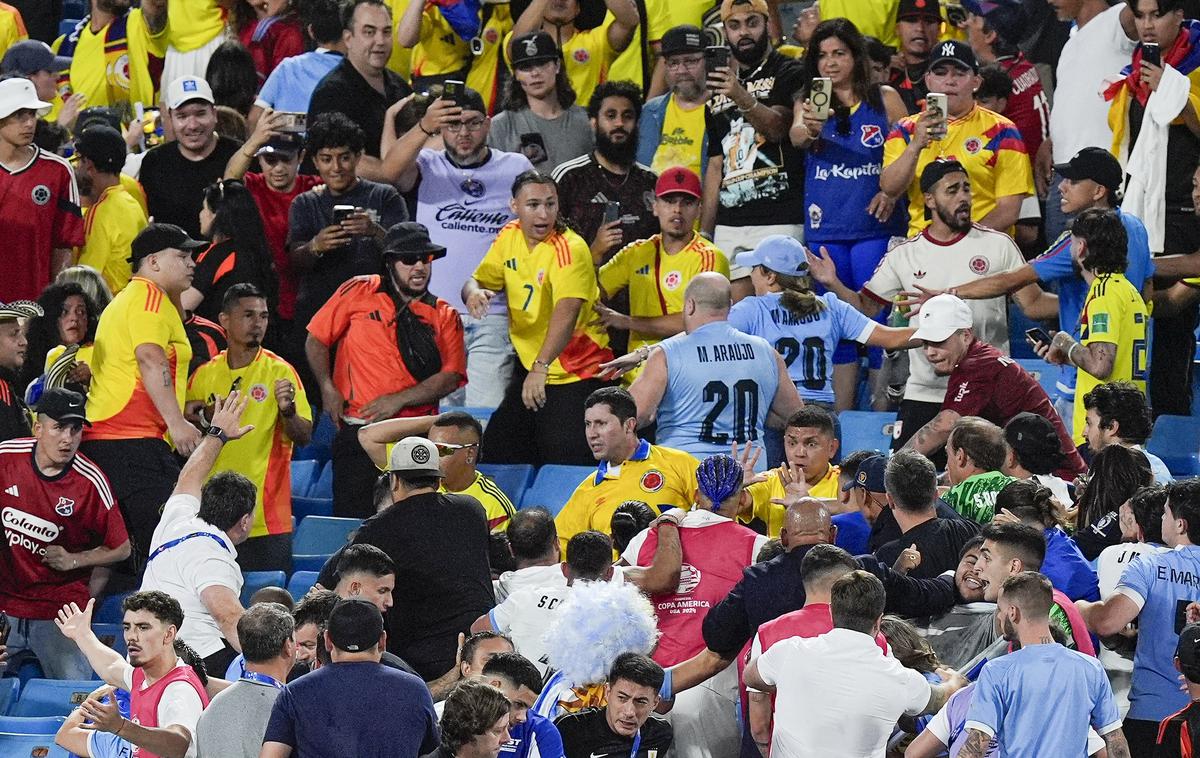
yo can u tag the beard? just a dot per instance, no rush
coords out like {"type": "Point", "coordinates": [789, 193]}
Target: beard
{"type": "Point", "coordinates": [951, 218]}
{"type": "Point", "coordinates": [751, 54]}
{"type": "Point", "coordinates": [689, 89]}
{"type": "Point", "coordinates": [1008, 631]}
{"type": "Point", "coordinates": [620, 153]}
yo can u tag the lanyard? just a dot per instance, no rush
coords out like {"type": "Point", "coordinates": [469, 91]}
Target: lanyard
{"type": "Point", "coordinates": [185, 538]}
{"type": "Point", "coordinates": [257, 678]}
{"type": "Point", "coordinates": [637, 742]}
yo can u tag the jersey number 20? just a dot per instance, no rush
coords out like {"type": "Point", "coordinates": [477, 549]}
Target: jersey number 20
{"type": "Point", "coordinates": [745, 411]}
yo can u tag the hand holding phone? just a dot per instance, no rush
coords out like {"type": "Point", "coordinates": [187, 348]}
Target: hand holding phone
{"type": "Point", "coordinates": [612, 212]}
{"type": "Point", "coordinates": [819, 96]}
{"type": "Point", "coordinates": [1038, 335]}
{"type": "Point", "coordinates": [1152, 54]}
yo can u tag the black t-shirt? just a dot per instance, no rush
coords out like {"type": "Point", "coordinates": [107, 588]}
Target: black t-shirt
{"type": "Point", "coordinates": [940, 542]}
{"type": "Point", "coordinates": [762, 182]}
{"type": "Point", "coordinates": [586, 734]}
{"type": "Point", "coordinates": [585, 188]}
{"type": "Point", "coordinates": [220, 267]}
{"type": "Point", "coordinates": [175, 185]}
{"type": "Point", "coordinates": [206, 337]}
{"type": "Point", "coordinates": [909, 81]}
{"type": "Point", "coordinates": [14, 419]}
{"type": "Point", "coordinates": [344, 90]}
{"type": "Point", "coordinates": [1101, 533]}
{"type": "Point", "coordinates": [885, 529]}
{"type": "Point", "coordinates": [439, 543]}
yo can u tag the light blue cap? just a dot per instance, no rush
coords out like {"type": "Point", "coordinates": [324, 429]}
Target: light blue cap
{"type": "Point", "coordinates": [779, 253]}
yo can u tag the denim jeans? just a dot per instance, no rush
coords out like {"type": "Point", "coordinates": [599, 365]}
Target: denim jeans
{"type": "Point", "coordinates": [59, 657]}
{"type": "Point", "coordinates": [490, 360]}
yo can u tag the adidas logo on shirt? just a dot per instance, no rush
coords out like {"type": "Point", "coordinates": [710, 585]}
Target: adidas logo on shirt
{"type": "Point", "coordinates": [644, 270]}
{"type": "Point", "coordinates": [511, 263]}
{"type": "Point", "coordinates": [12, 490]}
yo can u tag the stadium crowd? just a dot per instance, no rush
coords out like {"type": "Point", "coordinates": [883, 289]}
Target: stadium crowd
{"type": "Point", "coordinates": [373, 263]}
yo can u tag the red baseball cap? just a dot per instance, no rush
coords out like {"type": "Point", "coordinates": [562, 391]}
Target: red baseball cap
{"type": "Point", "coordinates": [678, 179]}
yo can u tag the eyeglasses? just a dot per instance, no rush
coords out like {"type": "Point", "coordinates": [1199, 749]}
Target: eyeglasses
{"type": "Point", "coordinates": [474, 125]}
{"type": "Point", "coordinates": [446, 449]}
{"type": "Point", "coordinates": [684, 61]}
{"type": "Point", "coordinates": [412, 259]}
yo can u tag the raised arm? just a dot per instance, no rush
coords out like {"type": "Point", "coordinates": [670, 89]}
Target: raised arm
{"type": "Point", "coordinates": [375, 437]}
{"type": "Point", "coordinates": [266, 128]}
{"type": "Point", "coordinates": [76, 625]}
{"type": "Point", "coordinates": [824, 271]}
{"type": "Point", "coordinates": [648, 388]}
{"type": "Point", "coordinates": [932, 437]}
{"type": "Point", "coordinates": [530, 20]}
{"type": "Point", "coordinates": [400, 160]}
{"type": "Point", "coordinates": [408, 28]}
{"type": "Point", "coordinates": [1108, 616]}
{"type": "Point", "coordinates": [662, 575]}
{"type": "Point", "coordinates": [226, 416]}
{"type": "Point", "coordinates": [625, 23]}
{"type": "Point", "coordinates": [899, 174]}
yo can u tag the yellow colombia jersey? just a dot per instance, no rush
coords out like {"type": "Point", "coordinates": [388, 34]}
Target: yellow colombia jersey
{"type": "Point", "coordinates": [118, 405]}
{"type": "Point", "coordinates": [400, 60]}
{"type": "Point", "coordinates": [109, 228]}
{"type": "Point", "coordinates": [118, 73]}
{"type": "Point", "coordinates": [682, 139]}
{"type": "Point", "coordinates": [135, 189]}
{"type": "Point", "coordinates": [264, 456]}
{"type": "Point", "coordinates": [558, 267]}
{"type": "Point", "coordinates": [12, 27]}
{"type": "Point", "coordinates": [195, 23]}
{"type": "Point", "coordinates": [989, 147]}
{"type": "Point", "coordinates": [656, 280]}
{"type": "Point", "coordinates": [771, 514]}
{"type": "Point", "coordinates": [484, 76]}
{"type": "Point", "coordinates": [587, 57]}
{"type": "Point", "coordinates": [495, 503]}
{"type": "Point", "coordinates": [1114, 312]}
{"type": "Point", "coordinates": [439, 50]}
{"type": "Point", "coordinates": [660, 477]}
{"type": "Point", "coordinates": [876, 18]}
{"type": "Point", "coordinates": [628, 65]}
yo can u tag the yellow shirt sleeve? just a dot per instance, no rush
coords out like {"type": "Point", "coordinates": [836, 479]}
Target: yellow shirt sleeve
{"type": "Point", "coordinates": [1103, 314]}
{"type": "Point", "coordinates": [687, 474]}
{"type": "Point", "coordinates": [200, 386]}
{"type": "Point", "coordinates": [614, 275]}
{"type": "Point", "coordinates": [895, 144]}
{"type": "Point", "coordinates": [148, 327]}
{"type": "Point", "coordinates": [720, 263]}
{"type": "Point", "coordinates": [1013, 172]}
{"type": "Point", "coordinates": [575, 276]}
{"type": "Point", "coordinates": [575, 515]}
{"type": "Point", "coordinates": [490, 271]}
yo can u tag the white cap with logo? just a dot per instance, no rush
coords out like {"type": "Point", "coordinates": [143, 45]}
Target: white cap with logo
{"type": "Point", "coordinates": [188, 88]}
{"type": "Point", "coordinates": [19, 94]}
{"type": "Point", "coordinates": [415, 456]}
{"type": "Point", "coordinates": [942, 316]}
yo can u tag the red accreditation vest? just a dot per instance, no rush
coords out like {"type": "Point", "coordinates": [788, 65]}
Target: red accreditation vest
{"type": "Point", "coordinates": [143, 703]}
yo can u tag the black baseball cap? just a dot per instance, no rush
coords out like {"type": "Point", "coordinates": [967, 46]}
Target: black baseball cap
{"type": "Point", "coordinates": [102, 145]}
{"type": "Point", "coordinates": [682, 39]}
{"type": "Point", "coordinates": [355, 625]}
{"type": "Point", "coordinates": [32, 56]}
{"type": "Point", "coordinates": [535, 47]}
{"type": "Point", "coordinates": [937, 169]}
{"type": "Point", "coordinates": [1006, 17]}
{"type": "Point", "coordinates": [62, 404]}
{"type": "Point", "coordinates": [158, 237]}
{"type": "Point", "coordinates": [870, 475]}
{"type": "Point", "coordinates": [953, 51]}
{"type": "Point", "coordinates": [919, 8]}
{"type": "Point", "coordinates": [1094, 163]}
{"type": "Point", "coordinates": [287, 143]}
{"type": "Point", "coordinates": [1188, 652]}
{"type": "Point", "coordinates": [410, 237]}
{"type": "Point", "coordinates": [1033, 438]}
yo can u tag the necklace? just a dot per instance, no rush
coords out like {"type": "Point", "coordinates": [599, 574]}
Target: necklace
{"type": "Point", "coordinates": [469, 184]}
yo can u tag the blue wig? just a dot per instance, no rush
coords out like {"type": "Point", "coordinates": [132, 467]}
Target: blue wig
{"type": "Point", "coordinates": [719, 477]}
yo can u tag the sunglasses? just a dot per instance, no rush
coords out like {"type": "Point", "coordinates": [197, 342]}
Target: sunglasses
{"type": "Point", "coordinates": [446, 449]}
{"type": "Point", "coordinates": [412, 259]}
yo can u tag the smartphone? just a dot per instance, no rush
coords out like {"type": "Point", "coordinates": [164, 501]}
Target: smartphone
{"type": "Point", "coordinates": [819, 95]}
{"type": "Point", "coordinates": [343, 212]}
{"type": "Point", "coordinates": [293, 122]}
{"type": "Point", "coordinates": [939, 104]}
{"type": "Point", "coordinates": [612, 212]}
{"type": "Point", "coordinates": [1151, 53]}
{"type": "Point", "coordinates": [533, 147]}
{"type": "Point", "coordinates": [1038, 334]}
{"type": "Point", "coordinates": [455, 90]}
{"type": "Point", "coordinates": [716, 56]}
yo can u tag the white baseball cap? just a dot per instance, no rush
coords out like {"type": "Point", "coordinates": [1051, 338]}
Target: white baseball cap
{"type": "Point", "coordinates": [188, 88]}
{"type": "Point", "coordinates": [18, 94]}
{"type": "Point", "coordinates": [942, 316]}
{"type": "Point", "coordinates": [416, 456]}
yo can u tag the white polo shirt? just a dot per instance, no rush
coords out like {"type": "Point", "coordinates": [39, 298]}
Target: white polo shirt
{"type": "Point", "coordinates": [837, 695]}
{"type": "Point", "coordinates": [188, 567]}
{"type": "Point", "coordinates": [942, 265]}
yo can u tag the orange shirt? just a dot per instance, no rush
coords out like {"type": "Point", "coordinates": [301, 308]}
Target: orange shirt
{"type": "Point", "coordinates": [360, 319]}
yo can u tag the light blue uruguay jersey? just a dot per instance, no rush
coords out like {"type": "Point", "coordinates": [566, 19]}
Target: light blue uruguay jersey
{"type": "Point", "coordinates": [806, 343]}
{"type": "Point", "coordinates": [720, 386]}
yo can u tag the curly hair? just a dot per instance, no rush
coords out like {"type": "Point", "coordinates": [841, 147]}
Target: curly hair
{"type": "Point", "coordinates": [160, 605]}
{"type": "Point", "coordinates": [42, 331]}
{"type": "Point", "coordinates": [472, 708]}
{"type": "Point", "coordinates": [334, 130]}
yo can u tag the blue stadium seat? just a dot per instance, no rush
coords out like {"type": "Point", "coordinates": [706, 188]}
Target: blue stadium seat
{"type": "Point", "coordinates": [112, 635]}
{"type": "Point", "coordinates": [51, 697]}
{"type": "Point", "coordinates": [253, 581]}
{"type": "Point", "coordinates": [317, 538]}
{"type": "Point", "coordinates": [30, 746]}
{"type": "Point", "coordinates": [513, 478]}
{"type": "Point", "coordinates": [1176, 439]}
{"type": "Point", "coordinates": [318, 448]}
{"type": "Point", "coordinates": [109, 610]}
{"type": "Point", "coordinates": [553, 485]}
{"type": "Point", "coordinates": [38, 725]}
{"type": "Point", "coordinates": [302, 507]}
{"type": "Point", "coordinates": [30, 669]}
{"type": "Point", "coordinates": [865, 430]}
{"type": "Point", "coordinates": [9, 687]}
{"type": "Point", "coordinates": [1018, 324]}
{"type": "Point", "coordinates": [322, 486]}
{"type": "Point", "coordinates": [301, 582]}
{"type": "Point", "coordinates": [304, 473]}
{"type": "Point", "coordinates": [1045, 373]}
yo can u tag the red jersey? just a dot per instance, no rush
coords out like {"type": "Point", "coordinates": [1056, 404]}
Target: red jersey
{"type": "Point", "coordinates": [1028, 107]}
{"type": "Point", "coordinates": [270, 40]}
{"type": "Point", "coordinates": [274, 206]}
{"type": "Point", "coordinates": [74, 510]}
{"type": "Point", "coordinates": [360, 319]}
{"type": "Point", "coordinates": [715, 553]}
{"type": "Point", "coordinates": [39, 212]}
{"type": "Point", "coordinates": [989, 384]}
{"type": "Point", "coordinates": [143, 703]}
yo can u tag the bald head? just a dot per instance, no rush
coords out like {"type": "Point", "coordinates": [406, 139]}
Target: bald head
{"type": "Point", "coordinates": [806, 522]}
{"type": "Point", "coordinates": [710, 292]}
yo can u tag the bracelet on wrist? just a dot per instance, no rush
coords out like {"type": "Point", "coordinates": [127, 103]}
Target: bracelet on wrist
{"type": "Point", "coordinates": [425, 131]}
{"type": "Point", "coordinates": [543, 364]}
{"type": "Point", "coordinates": [752, 107]}
{"type": "Point", "coordinates": [124, 721]}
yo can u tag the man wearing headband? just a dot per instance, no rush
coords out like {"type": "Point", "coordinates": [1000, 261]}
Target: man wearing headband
{"type": "Point", "coordinates": [715, 552]}
{"type": "Point", "coordinates": [950, 251]}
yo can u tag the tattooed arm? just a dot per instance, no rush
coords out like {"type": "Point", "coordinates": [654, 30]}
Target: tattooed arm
{"type": "Point", "coordinates": [976, 744]}
{"type": "Point", "coordinates": [1115, 743]}
{"type": "Point", "coordinates": [932, 437]}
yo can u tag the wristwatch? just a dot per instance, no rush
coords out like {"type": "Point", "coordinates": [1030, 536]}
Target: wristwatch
{"type": "Point", "coordinates": [218, 432]}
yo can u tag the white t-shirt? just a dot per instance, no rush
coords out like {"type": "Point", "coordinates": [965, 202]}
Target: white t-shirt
{"type": "Point", "coordinates": [837, 695]}
{"type": "Point", "coordinates": [530, 576]}
{"type": "Point", "coordinates": [1114, 559]}
{"type": "Point", "coordinates": [179, 704]}
{"type": "Point", "coordinates": [1091, 59]}
{"type": "Point", "coordinates": [937, 265]}
{"type": "Point", "coordinates": [1056, 485]}
{"type": "Point", "coordinates": [186, 569]}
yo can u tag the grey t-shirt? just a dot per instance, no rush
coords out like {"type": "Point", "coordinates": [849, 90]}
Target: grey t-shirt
{"type": "Point", "coordinates": [545, 142]}
{"type": "Point", "coordinates": [235, 721]}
